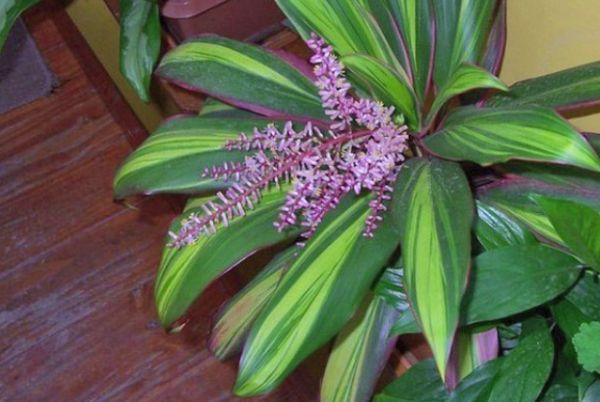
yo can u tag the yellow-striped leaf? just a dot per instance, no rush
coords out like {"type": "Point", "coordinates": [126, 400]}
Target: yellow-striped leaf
{"type": "Point", "coordinates": [487, 136]}
{"type": "Point", "coordinates": [462, 28]}
{"type": "Point", "coordinates": [9, 12]}
{"type": "Point", "coordinates": [577, 225]}
{"type": "Point", "coordinates": [360, 353]}
{"type": "Point", "coordinates": [344, 24]}
{"type": "Point", "coordinates": [244, 75]}
{"type": "Point", "coordinates": [567, 89]}
{"type": "Point", "coordinates": [408, 25]}
{"type": "Point", "coordinates": [185, 272]}
{"type": "Point", "coordinates": [391, 87]}
{"type": "Point", "coordinates": [238, 315]}
{"type": "Point", "coordinates": [317, 296]}
{"type": "Point", "coordinates": [517, 199]}
{"type": "Point", "coordinates": [433, 208]}
{"type": "Point", "coordinates": [174, 157]}
{"type": "Point", "coordinates": [140, 43]}
{"type": "Point", "coordinates": [466, 78]}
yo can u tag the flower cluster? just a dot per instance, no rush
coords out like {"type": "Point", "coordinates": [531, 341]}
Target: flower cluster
{"type": "Point", "coordinates": [362, 150]}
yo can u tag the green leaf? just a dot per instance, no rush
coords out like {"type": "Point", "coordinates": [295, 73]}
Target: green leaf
{"type": "Point", "coordinates": [317, 296]}
{"type": "Point", "coordinates": [586, 296]}
{"type": "Point", "coordinates": [406, 324]}
{"type": "Point", "coordinates": [359, 354]}
{"type": "Point", "coordinates": [238, 315]}
{"type": "Point", "coordinates": [492, 59]}
{"type": "Point", "coordinates": [185, 272]}
{"type": "Point", "coordinates": [477, 386]}
{"type": "Point", "coordinates": [568, 317]}
{"type": "Point", "coordinates": [587, 345]}
{"type": "Point", "coordinates": [174, 157]}
{"type": "Point", "coordinates": [390, 287]}
{"type": "Point", "coordinates": [140, 43]}
{"type": "Point", "coordinates": [466, 78]}
{"type": "Point", "coordinates": [462, 28]}
{"type": "Point", "coordinates": [392, 88]}
{"type": "Point", "coordinates": [213, 108]}
{"type": "Point", "coordinates": [517, 198]}
{"type": "Point", "coordinates": [433, 208]}
{"type": "Point", "coordinates": [518, 377]}
{"type": "Point", "coordinates": [495, 229]}
{"type": "Point", "coordinates": [527, 367]}
{"type": "Point", "coordinates": [244, 75]}
{"type": "Point", "coordinates": [9, 12]}
{"type": "Point", "coordinates": [408, 25]}
{"type": "Point", "coordinates": [513, 279]}
{"type": "Point", "coordinates": [562, 90]}
{"type": "Point", "coordinates": [577, 225]}
{"type": "Point", "coordinates": [487, 136]}
{"type": "Point", "coordinates": [421, 383]}
{"type": "Point", "coordinates": [344, 24]}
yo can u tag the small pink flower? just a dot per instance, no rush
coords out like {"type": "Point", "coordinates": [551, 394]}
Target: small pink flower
{"type": "Point", "coordinates": [362, 150]}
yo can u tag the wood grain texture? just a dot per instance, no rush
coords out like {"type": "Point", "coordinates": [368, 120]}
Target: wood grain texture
{"type": "Point", "coordinates": [76, 274]}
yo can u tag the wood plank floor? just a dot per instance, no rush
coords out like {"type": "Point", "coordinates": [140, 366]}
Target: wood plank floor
{"type": "Point", "coordinates": [77, 321]}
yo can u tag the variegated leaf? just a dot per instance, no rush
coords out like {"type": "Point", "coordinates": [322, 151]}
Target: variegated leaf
{"type": "Point", "coordinates": [433, 208]}
{"type": "Point", "coordinates": [9, 12]}
{"type": "Point", "coordinates": [493, 135]}
{"type": "Point", "coordinates": [317, 296]}
{"type": "Point", "coordinates": [244, 75]}
{"type": "Point", "coordinates": [174, 157]}
{"type": "Point", "coordinates": [238, 315]}
{"type": "Point", "coordinates": [185, 272]}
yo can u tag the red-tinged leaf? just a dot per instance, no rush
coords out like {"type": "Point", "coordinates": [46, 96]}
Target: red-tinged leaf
{"type": "Point", "coordinates": [244, 75]}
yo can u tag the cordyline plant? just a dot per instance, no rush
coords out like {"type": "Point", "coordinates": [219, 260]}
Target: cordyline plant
{"type": "Point", "coordinates": [411, 192]}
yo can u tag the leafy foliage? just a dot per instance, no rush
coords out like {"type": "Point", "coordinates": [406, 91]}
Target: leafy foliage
{"type": "Point", "coordinates": [587, 344]}
{"type": "Point", "coordinates": [417, 124]}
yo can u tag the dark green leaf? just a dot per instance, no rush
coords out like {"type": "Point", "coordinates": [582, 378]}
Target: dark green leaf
{"type": "Point", "coordinates": [513, 279]}
{"type": "Point", "coordinates": [433, 208]}
{"type": "Point", "coordinates": [245, 75]}
{"type": "Point", "coordinates": [487, 136]}
{"type": "Point", "coordinates": [390, 287]}
{"type": "Point", "coordinates": [174, 157]}
{"type": "Point", "coordinates": [527, 367]}
{"type": "Point", "coordinates": [140, 43]}
{"type": "Point", "coordinates": [238, 315]}
{"type": "Point", "coordinates": [185, 272]}
{"type": "Point", "coordinates": [317, 296]}
{"type": "Point", "coordinates": [577, 225]}
{"type": "Point", "coordinates": [563, 90]}
{"type": "Point", "coordinates": [477, 386]}
{"type": "Point", "coordinates": [9, 12]}
{"type": "Point", "coordinates": [421, 383]}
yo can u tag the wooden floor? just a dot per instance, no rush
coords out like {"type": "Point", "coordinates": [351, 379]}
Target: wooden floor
{"type": "Point", "coordinates": [77, 322]}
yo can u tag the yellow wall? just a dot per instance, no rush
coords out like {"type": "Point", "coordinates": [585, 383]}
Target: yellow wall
{"type": "Point", "coordinates": [550, 35]}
